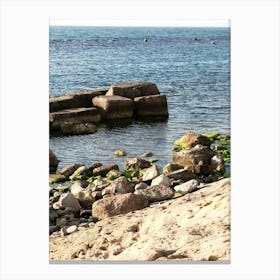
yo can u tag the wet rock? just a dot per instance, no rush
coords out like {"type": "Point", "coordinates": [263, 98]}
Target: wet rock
{"type": "Point", "coordinates": [104, 169]}
{"type": "Point", "coordinates": [161, 180]}
{"type": "Point", "coordinates": [56, 178]}
{"type": "Point", "coordinates": [113, 107]}
{"type": "Point", "coordinates": [147, 154]}
{"type": "Point", "coordinates": [53, 162]}
{"type": "Point", "coordinates": [69, 169]}
{"type": "Point", "coordinates": [136, 164]}
{"type": "Point", "coordinates": [171, 167]}
{"type": "Point", "coordinates": [118, 204]}
{"type": "Point", "coordinates": [156, 193]}
{"type": "Point", "coordinates": [141, 186]}
{"type": "Point", "coordinates": [68, 128]}
{"type": "Point", "coordinates": [81, 173]}
{"type": "Point", "coordinates": [151, 106]}
{"type": "Point", "coordinates": [120, 153]}
{"type": "Point", "coordinates": [68, 200]}
{"type": "Point", "coordinates": [187, 187]}
{"type": "Point", "coordinates": [197, 159]}
{"type": "Point", "coordinates": [113, 174]}
{"type": "Point", "coordinates": [133, 89]}
{"type": "Point", "coordinates": [191, 139]}
{"type": "Point", "coordinates": [150, 173]}
{"type": "Point", "coordinates": [59, 103]}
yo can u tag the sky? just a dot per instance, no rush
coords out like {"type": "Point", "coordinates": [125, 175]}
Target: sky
{"type": "Point", "coordinates": [184, 23]}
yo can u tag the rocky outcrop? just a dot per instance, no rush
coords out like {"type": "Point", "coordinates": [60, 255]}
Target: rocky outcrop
{"type": "Point", "coordinates": [193, 227]}
{"type": "Point", "coordinates": [151, 106]}
{"type": "Point", "coordinates": [133, 89]}
{"type": "Point", "coordinates": [114, 107]}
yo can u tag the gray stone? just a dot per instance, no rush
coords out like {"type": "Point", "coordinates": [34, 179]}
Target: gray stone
{"type": "Point", "coordinates": [104, 169]}
{"type": "Point", "coordinates": [150, 173]}
{"type": "Point", "coordinates": [118, 204]}
{"type": "Point", "coordinates": [68, 200]}
{"type": "Point", "coordinates": [151, 106]}
{"type": "Point", "coordinates": [120, 186]}
{"type": "Point", "coordinates": [113, 107]}
{"type": "Point", "coordinates": [141, 186]}
{"type": "Point", "coordinates": [53, 162]}
{"type": "Point", "coordinates": [156, 193]}
{"type": "Point", "coordinates": [71, 229]}
{"type": "Point", "coordinates": [133, 89]}
{"type": "Point", "coordinates": [187, 187]}
{"type": "Point", "coordinates": [161, 180]}
{"type": "Point", "coordinates": [84, 195]}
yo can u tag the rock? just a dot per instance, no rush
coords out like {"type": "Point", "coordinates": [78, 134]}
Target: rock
{"type": "Point", "coordinates": [81, 173]}
{"type": "Point", "coordinates": [150, 173]}
{"type": "Point", "coordinates": [151, 106]}
{"type": "Point", "coordinates": [120, 153]}
{"type": "Point", "coordinates": [161, 180]}
{"type": "Point", "coordinates": [147, 154]}
{"type": "Point", "coordinates": [113, 107]}
{"type": "Point", "coordinates": [141, 186]}
{"type": "Point", "coordinates": [118, 204]}
{"type": "Point", "coordinates": [52, 229]}
{"type": "Point", "coordinates": [100, 184]}
{"type": "Point", "coordinates": [181, 174]}
{"type": "Point", "coordinates": [156, 193]}
{"type": "Point", "coordinates": [133, 89]}
{"type": "Point", "coordinates": [84, 195]}
{"type": "Point", "coordinates": [218, 164]}
{"type": "Point", "coordinates": [52, 215]}
{"type": "Point", "coordinates": [187, 187]}
{"type": "Point", "coordinates": [119, 186]}
{"type": "Point", "coordinates": [136, 164]}
{"type": "Point", "coordinates": [193, 227]}
{"type": "Point", "coordinates": [84, 97]}
{"type": "Point", "coordinates": [171, 167]}
{"type": "Point", "coordinates": [68, 128]}
{"type": "Point", "coordinates": [191, 139]}
{"type": "Point", "coordinates": [197, 159]}
{"type": "Point", "coordinates": [67, 200]}
{"type": "Point", "coordinates": [56, 178]}
{"type": "Point", "coordinates": [71, 229]}
{"type": "Point", "coordinates": [113, 174]}
{"type": "Point", "coordinates": [59, 103]}
{"type": "Point", "coordinates": [69, 169]}
{"type": "Point", "coordinates": [53, 162]}
{"type": "Point", "coordinates": [61, 122]}
{"type": "Point", "coordinates": [104, 169]}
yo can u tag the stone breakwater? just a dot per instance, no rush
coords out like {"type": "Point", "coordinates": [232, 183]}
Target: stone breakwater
{"type": "Point", "coordinates": [80, 112]}
{"type": "Point", "coordinates": [142, 213]}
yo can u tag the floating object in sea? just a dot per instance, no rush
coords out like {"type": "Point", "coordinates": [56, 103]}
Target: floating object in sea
{"type": "Point", "coordinates": [194, 39]}
{"type": "Point", "coordinates": [145, 39]}
{"type": "Point", "coordinates": [213, 43]}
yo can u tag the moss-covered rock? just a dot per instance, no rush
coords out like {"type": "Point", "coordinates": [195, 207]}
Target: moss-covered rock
{"type": "Point", "coordinates": [56, 178]}
{"type": "Point", "coordinates": [191, 139]}
{"type": "Point", "coordinates": [119, 153]}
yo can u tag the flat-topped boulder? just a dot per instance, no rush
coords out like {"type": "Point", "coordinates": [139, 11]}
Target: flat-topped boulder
{"type": "Point", "coordinates": [113, 107]}
{"type": "Point", "coordinates": [84, 97]}
{"type": "Point", "coordinates": [74, 121]}
{"type": "Point", "coordinates": [62, 103]}
{"type": "Point", "coordinates": [133, 89]}
{"type": "Point", "coordinates": [151, 106]}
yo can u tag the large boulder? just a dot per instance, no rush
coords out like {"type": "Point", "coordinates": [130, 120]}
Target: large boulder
{"type": "Point", "coordinates": [74, 121]}
{"type": "Point", "coordinates": [133, 89]}
{"type": "Point", "coordinates": [181, 174]}
{"type": "Point", "coordinates": [156, 193]}
{"type": "Point", "coordinates": [196, 159]}
{"type": "Point", "coordinates": [118, 204]}
{"type": "Point", "coordinates": [150, 173]}
{"type": "Point", "coordinates": [84, 97]}
{"type": "Point", "coordinates": [67, 200]}
{"type": "Point", "coordinates": [53, 162]}
{"type": "Point", "coordinates": [81, 173]}
{"type": "Point", "coordinates": [137, 163]}
{"type": "Point", "coordinates": [113, 107]}
{"type": "Point", "coordinates": [64, 102]}
{"type": "Point", "coordinates": [161, 180]}
{"type": "Point", "coordinates": [69, 169]}
{"type": "Point", "coordinates": [191, 139]}
{"type": "Point", "coordinates": [84, 195]}
{"type": "Point", "coordinates": [187, 187]}
{"type": "Point", "coordinates": [151, 106]}
{"type": "Point", "coordinates": [119, 186]}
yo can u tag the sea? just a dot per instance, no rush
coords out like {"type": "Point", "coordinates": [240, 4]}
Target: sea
{"type": "Point", "coordinates": [191, 66]}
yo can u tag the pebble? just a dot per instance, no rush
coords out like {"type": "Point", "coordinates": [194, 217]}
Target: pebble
{"type": "Point", "coordinates": [71, 229]}
{"type": "Point", "coordinates": [91, 224]}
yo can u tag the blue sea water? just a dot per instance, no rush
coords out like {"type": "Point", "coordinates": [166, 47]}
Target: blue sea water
{"type": "Point", "coordinates": [193, 73]}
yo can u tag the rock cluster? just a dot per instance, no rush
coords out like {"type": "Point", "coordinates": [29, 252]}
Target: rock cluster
{"type": "Point", "coordinates": [83, 195]}
{"type": "Point", "coordinates": [81, 112]}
